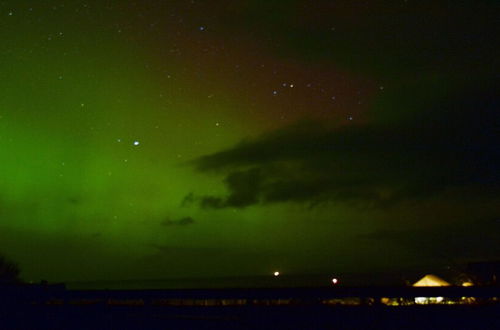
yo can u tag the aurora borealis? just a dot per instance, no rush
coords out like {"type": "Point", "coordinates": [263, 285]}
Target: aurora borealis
{"type": "Point", "coordinates": [167, 139]}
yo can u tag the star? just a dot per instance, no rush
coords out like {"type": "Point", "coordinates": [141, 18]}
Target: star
{"type": "Point", "coordinates": [136, 143]}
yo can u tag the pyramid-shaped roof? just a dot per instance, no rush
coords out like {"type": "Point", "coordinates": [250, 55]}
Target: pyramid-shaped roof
{"type": "Point", "coordinates": [431, 280]}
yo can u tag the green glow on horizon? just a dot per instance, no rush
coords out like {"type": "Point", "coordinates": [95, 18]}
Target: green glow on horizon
{"type": "Point", "coordinates": [81, 82]}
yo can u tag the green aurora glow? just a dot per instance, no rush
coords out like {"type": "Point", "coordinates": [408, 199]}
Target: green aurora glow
{"type": "Point", "coordinates": [82, 80]}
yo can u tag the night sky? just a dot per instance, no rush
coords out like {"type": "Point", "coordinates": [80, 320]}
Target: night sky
{"type": "Point", "coordinates": [170, 139]}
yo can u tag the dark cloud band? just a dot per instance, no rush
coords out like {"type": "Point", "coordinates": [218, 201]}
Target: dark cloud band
{"type": "Point", "coordinates": [368, 165]}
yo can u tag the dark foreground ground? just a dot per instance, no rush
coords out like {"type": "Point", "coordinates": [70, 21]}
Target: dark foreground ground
{"type": "Point", "coordinates": [250, 317]}
{"type": "Point", "coordinates": [54, 307]}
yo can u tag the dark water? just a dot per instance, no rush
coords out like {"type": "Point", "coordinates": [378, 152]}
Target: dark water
{"type": "Point", "coordinates": [269, 281]}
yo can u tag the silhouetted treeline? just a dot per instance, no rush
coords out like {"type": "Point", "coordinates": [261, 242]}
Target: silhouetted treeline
{"type": "Point", "coordinates": [9, 271]}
